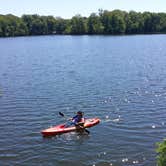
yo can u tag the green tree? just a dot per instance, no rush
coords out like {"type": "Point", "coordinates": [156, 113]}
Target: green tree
{"type": "Point", "coordinates": [162, 22]}
{"type": "Point", "coordinates": [156, 27]}
{"type": "Point", "coordinates": [78, 25]}
{"type": "Point", "coordinates": [134, 23]}
{"type": "Point", "coordinates": [11, 25]}
{"type": "Point", "coordinates": [27, 19]}
{"type": "Point", "coordinates": [51, 24]}
{"type": "Point", "coordinates": [1, 32]}
{"type": "Point", "coordinates": [106, 19]}
{"type": "Point", "coordinates": [2, 26]}
{"type": "Point", "coordinates": [118, 22]}
{"type": "Point", "coordinates": [94, 24]}
{"type": "Point", "coordinates": [61, 25]}
{"type": "Point", "coordinates": [39, 27]}
{"type": "Point", "coordinates": [147, 22]}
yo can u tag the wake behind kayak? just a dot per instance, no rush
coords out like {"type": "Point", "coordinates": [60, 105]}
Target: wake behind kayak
{"type": "Point", "coordinates": [60, 129]}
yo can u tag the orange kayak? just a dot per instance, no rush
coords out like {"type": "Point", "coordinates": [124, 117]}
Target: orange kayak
{"type": "Point", "coordinates": [60, 129]}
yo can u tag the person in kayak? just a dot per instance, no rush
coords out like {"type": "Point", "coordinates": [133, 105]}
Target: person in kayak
{"type": "Point", "coordinates": [78, 119]}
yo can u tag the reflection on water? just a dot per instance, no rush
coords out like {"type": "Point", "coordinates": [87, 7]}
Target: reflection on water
{"type": "Point", "coordinates": [78, 137]}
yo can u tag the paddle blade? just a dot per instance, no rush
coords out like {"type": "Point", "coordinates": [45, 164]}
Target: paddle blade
{"type": "Point", "coordinates": [88, 132]}
{"type": "Point", "coordinates": [61, 114]}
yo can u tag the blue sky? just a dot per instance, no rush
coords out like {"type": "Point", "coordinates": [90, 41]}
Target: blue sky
{"type": "Point", "coordinates": [69, 8]}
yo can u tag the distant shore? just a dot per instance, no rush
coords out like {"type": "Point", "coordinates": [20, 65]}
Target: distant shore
{"type": "Point", "coordinates": [104, 22]}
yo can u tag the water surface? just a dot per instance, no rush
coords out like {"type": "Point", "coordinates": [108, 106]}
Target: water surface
{"type": "Point", "coordinates": [120, 79]}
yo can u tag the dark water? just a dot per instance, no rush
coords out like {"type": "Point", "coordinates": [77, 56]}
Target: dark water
{"type": "Point", "coordinates": [120, 79]}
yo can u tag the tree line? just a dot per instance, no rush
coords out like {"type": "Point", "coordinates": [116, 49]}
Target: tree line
{"type": "Point", "coordinates": [104, 22]}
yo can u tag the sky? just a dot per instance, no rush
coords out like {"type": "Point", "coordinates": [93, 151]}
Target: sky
{"type": "Point", "coordinates": [69, 8]}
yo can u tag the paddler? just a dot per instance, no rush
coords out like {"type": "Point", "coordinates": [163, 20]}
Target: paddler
{"type": "Point", "coordinates": [78, 119]}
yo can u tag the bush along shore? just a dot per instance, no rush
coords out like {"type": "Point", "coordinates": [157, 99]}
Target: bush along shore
{"type": "Point", "coordinates": [104, 22]}
{"type": "Point", "coordinates": [161, 150]}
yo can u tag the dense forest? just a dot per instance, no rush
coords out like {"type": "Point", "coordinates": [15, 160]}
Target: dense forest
{"type": "Point", "coordinates": [103, 22]}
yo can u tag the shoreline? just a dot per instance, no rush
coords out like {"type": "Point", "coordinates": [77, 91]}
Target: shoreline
{"type": "Point", "coordinates": [136, 34]}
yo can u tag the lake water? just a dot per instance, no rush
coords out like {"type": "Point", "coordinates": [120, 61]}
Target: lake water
{"type": "Point", "coordinates": [120, 79]}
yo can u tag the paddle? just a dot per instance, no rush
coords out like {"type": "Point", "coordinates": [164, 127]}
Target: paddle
{"type": "Point", "coordinates": [61, 114]}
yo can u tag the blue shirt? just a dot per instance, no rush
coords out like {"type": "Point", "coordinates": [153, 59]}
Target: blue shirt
{"type": "Point", "coordinates": [77, 119]}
